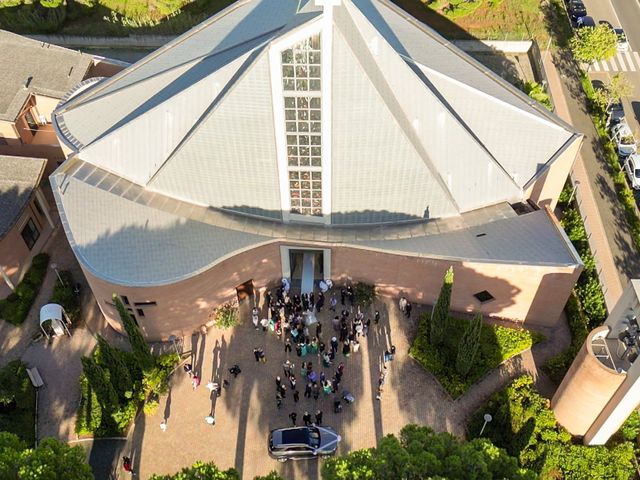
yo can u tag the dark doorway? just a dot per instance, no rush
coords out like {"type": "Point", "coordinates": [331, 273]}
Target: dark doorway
{"type": "Point", "coordinates": [307, 268]}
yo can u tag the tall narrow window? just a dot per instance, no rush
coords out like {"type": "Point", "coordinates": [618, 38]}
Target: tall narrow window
{"type": "Point", "coordinates": [33, 125]}
{"type": "Point", "coordinates": [301, 81]}
{"type": "Point", "coordinates": [30, 234]}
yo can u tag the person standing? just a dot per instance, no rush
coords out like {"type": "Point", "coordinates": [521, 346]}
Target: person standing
{"type": "Point", "coordinates": [320, 302]}
{"type": "Point", "coordinates": [293, 416]}
{"type": "Point", "coordinates": [287, 345]}
{"type": "Point", "coordinates": [350, 295]}
{"type": "Point", "coordinates": [256, 354]}
{"type": "Point", "coordinates": [376, 318]}
{"type": "Point", "coordinates": [292, 382]}
{"type": "Point", "coordinates": [278, 401]}
{"type": "Point", "coordinates": [235, 371]}
{"type": "Point", "coordinates": [296, 396]}
{"type": "Point", "coordinates": [267, 298]}
{"type": "Point", "coordinates": [188, 368]}
{"type": "Point", "coordinates": [278, 382]}
{"type": "Point", "coordinates": [318, 329]}
{"type": "Point", "coordinates": [127, 465]}
{"type": "Point", "coordinates": [407, 310]}
{"type": "Point", "coordinates": [346, 348]}
{"type": "Point", "coordinates": [334, 345]}
{"type": "Point", "coordinates": [343, 296]}
{"type": "Point", "coordinates": [195, 381]}
{"type": "Point", "coordinates": [333, 303]}
{"type": "Point", "coordinates": [316, 391]}
{"type": "Point", "coordinates": [288, 367]}
{"type": "Point", "coordinates": [262, 356]}
{"type": "Point", "coordinates": [335, 323]}
{"type": "Point", "coordinates": [283, 391]}
{"type": "Point", "coordinates": [163, 425]}
{"type": "Point", "coordinates": [255, 317]}
{"type": "Point", "coordinates": [402, 303]}
{"type": "Point", "coordinates": [307, 390]}
{"type": "Point", "coordinates": [365, 327]}
{"type": "Point", "coordinates": [318, 417]}
{"type": "Point", "coordinates": [306, 418]}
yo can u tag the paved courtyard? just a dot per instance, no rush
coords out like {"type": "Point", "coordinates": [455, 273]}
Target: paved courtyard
{"type": "Point", "coordinates": [246, 411]}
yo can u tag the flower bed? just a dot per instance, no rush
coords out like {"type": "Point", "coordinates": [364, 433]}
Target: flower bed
{"type": "Point", "coordinates": [15, 308]}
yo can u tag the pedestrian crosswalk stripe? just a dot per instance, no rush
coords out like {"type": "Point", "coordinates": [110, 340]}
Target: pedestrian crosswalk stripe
{"type": "Point", "coordinates": [621, 62]}
{"type": "Point", "coordinates": [629, 59]}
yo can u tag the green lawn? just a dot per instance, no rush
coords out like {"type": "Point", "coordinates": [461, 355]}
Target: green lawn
{"type": "Point", "coordinates": [497, 344]}
{"type": "Point", "coordinates": [17, 402]}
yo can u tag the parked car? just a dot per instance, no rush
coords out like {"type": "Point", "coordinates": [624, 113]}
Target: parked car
{"type": "Point", "coordinates": [585, 21]}
{"type": "Point", "coordinates": [623, 43]}
{"type": "Point", "coordinates": [576, 9]}
{"type": "Point", "coordinates": [632, 167]}
{"type": "Point", "coordinates": [623, 139]}
{"type": "Point", "coordinates": [299, 443]}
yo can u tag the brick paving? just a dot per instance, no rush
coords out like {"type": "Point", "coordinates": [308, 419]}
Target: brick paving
{"type": "Point", "coordinates": [246, 411]}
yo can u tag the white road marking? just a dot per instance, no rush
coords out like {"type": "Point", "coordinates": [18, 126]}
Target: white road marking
{"type": "Point", "coordinates": [629, 59]}
{"type": "Point", "coordinates": [605, 66]}
{"type": "Point", "coordinates": [623, 66]}
{"type": "Point", "coordinates": [596, 66]}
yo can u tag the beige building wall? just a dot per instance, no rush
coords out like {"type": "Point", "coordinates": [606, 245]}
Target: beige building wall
{"type": "Point", "coordinates": [9, 133]}
{"type": "Point", "coordinates": [585, 390]}
{"type": "Point", "coordinates": [46, 105]}
{"type": "Point", "coordinates": [546, 190]}
{"type": "Point", "coordinates": [532, 294]}
{"type": "Point", "coordinates": [15, 256]}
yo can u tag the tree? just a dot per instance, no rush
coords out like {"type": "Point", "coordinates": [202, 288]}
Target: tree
{"type": "Point", "coordinates": [138, 344]}
{"type": "Point", "coordinates": [592, 44]}
{"type": "Point", "coordinates": [440, 314]}
{"type": "Point", "coordinates": [468, 346]}
{"type": "Point", "coordinates": [100, 383]}
{"type": "Point", "coordinates": [273, 475]}
{"type": "Point", "coordinates": [52, 459]}
{"type": "Point", "coordinates": [618, 87]}
{"type": "Point", "coordinates": [111, 359]}
{"type": "Point", "coordinates": [422, 453]}
{"type": "Point", "coordinates": [200, 471]}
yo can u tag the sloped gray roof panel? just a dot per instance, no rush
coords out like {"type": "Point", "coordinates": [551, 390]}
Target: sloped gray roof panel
{"type": "Point", "coordinates": [529, 239]}
{"type": "Point", "coordinates": [229, 161]}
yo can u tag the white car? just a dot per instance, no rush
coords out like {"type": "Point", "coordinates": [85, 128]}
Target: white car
{"type": "Point", "coordinates": [632, 167]}
{"type": "Point", "coordinates": [623, 43]}
{"type": "Point", "coordinates": [623, 139]}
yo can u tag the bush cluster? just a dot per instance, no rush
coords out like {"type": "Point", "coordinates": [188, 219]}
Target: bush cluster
{"type": "Point", "coordinates": [15, 308]}
{"type": "Point", "coordinates": [497, 344]}
{"type": "Point", "coordinates": [17, 402]}
{"type": "Point", "coordinates": [226, 315]}
{"type": "Point", "coordinates": [364, 294]}
{"type": "Point", "coordinates": [525, 426]}
{"type": "Point", "coordinates": [31, 16]}
{"type": "Point", "coordinates": [64, 295]}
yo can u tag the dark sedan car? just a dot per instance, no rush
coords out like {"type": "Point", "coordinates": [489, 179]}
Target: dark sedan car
{"type": "Point", "coordinates": [576, 9]}
{"type": "Point", "coordinates": [300, 443]}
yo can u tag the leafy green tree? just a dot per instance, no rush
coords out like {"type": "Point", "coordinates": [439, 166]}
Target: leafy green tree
{"type": "Point", "coordinates": [111, 359]}
{"type": "Point", "coordinates": [422, 453]}
{"type": "Point", "coordinates": [537, 92]}
{"type": "Point", "coordinates": [51, 460]}
{"type": "Point", "coordinates": [592, 44]}
{"type": "Point", "coordinates": [616, 88]}
{"type": "Point", "coordinates": [469, 345]}
{"type": "Point", "coordinates": [440, 314]}
{"type": "Point", "coordinates": [138, 344]}
{"type": "Point", "coordinates": [100, 383]}
{"type": "Point", "coordinates": [273, 475]}
{"type": "Point", "coordinates": [201, 471]}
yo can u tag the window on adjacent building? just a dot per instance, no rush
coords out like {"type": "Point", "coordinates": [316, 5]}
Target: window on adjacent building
{"type": "Point", "coordinates": [483, 296]}
{"type": "Point", "coordinates": [33, 125]}
{"type": "Point", "coordinates": [30, 234]}
{"type": "Point", "coordinates": [301, 81]}
{"type": "Point", "coordinates": [140, 312]}
{"type": "Point", "coordinates": [125, 299]}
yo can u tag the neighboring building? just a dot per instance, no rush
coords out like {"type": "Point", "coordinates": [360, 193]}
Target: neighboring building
{"type": "Point", "coordinates": [310, 140]}
{"type": "Point", "coordinates": [34, 77]}
{"type": "Point", "coordinates": [25, 219]}
{"type": "Point", "coordinates": [602, 387]}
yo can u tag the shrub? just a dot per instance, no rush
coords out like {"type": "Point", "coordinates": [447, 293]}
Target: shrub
{"type": "Point", "coordinates": [137, 341]}
{"type": "Point", "coordinates": [17, 397]}
{"type": "Point", "coordinates": [537, 92]}
{"type": "Point", "coordinates": [631, 427]}
{"type": "Point", "coordinates": [226, 315]}
{"type": "Point", "coordinates": [15, 308]}
{"type": "Point", "coordinates": [150, 407]}
{"type": "Point", "coordinates": [468, 347]}
{"type": "Point", "coordinates": [64, 295]}
{"type": "Point", "coordinates": [525, 426]}
{"type": "Point", "coordinates": [364, 294]}
{"type": "Point", "coordinates": [496, 344]}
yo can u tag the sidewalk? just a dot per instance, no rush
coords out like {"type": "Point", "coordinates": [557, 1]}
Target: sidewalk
{"type": "Point", "coordinates": [604, 220]}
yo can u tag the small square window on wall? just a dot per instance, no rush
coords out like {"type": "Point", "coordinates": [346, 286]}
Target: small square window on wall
{"type": "Point", "coordinates": [125, 299]}
{"type": "Point", "coordinates": [140, 312]}
{"type": "Point", "coordinates": [30, 234]}
{"type": "Point", "coordinates": [484, 296]}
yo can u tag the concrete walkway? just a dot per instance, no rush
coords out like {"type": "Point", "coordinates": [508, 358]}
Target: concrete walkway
{"type": "Point", "coordinates": [609, 235]}
{"type": "Point", "coordinates": [246, 411]}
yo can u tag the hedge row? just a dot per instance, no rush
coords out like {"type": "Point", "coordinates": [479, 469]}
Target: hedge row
{"type": "Point", "coordinates": [15, 308]}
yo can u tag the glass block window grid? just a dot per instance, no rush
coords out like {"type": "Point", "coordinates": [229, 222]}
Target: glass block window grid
{"type": "Point", "coordinates": [301, 66]}
{"type": "Point", "coordinates": [303, 125]}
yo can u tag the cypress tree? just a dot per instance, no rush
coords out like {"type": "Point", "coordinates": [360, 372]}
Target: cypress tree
{"type": "Point", "coordinates": [469, 345]}
{"type": "Point", "coordinates": [138, 344]}
{"type": "Point", "coordinates": [100, 383]}
{"type": "Point", "coordinates": [440, 313]}
{"type": "Point", "coordinates": [111, 359]}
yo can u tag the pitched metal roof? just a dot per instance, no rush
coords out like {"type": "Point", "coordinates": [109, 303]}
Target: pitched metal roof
{"type": "Point", "coordinates": [19, 176]}
{"type": "Point", "coordinates": [29, 66]}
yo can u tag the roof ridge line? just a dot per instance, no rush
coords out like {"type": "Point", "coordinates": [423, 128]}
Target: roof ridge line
{"type": "Point", "coordinates": [91, 98]}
